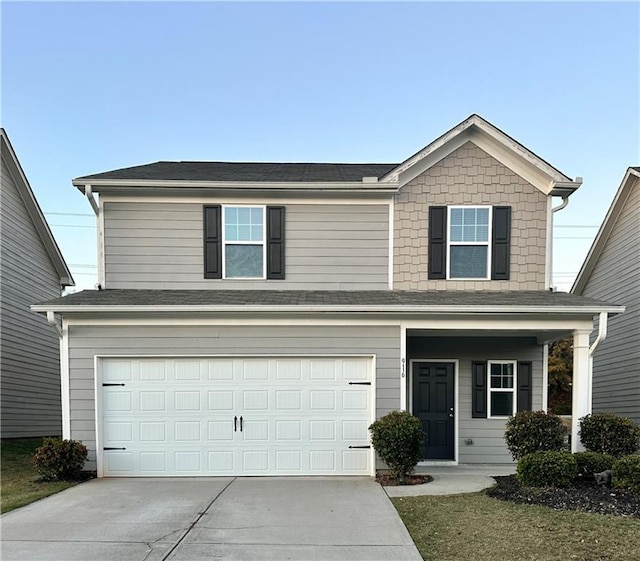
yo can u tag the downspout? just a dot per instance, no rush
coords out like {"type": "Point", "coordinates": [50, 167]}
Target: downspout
{"type": "Point", "coordinates": [602, 335]}
{"type": "Point", "coordinates": [92, 201]}
{"type": "Point", "coordinates": [549, 279]}
{"type": "Point", "coordinates": [51, 318]}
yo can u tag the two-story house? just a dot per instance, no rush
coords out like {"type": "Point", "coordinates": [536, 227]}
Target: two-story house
{"type": "Point", "coordinates": [255, 318]}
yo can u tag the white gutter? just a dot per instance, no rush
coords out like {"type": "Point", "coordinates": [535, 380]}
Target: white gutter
{"type": "Point", "coordinates": [92, 200]}
{"type": "Point", "coordinates": [463, 310]}
{"type": "Point", "coordinates": [51, 318]}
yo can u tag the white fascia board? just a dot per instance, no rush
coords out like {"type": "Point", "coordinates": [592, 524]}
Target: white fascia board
{"type": "Point", "coordinates": [113, 185]}
{"type": "Point", "coordinates": [339, 310]}
{"type": "Point", "coordinates": [252, 198]}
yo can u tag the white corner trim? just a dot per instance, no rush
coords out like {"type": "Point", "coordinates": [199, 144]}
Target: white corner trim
{"type": "Point", "coordinates": [403, 368]}
{"type": "Point", "coordinates": [391, 237]}
{"type": "Point", "coordinates": [548, 262]}
{"type": "Point", "coordinates": [545, 376]}
{"type": "Point", "coordinates": [102, 280]}
{"type": "Point", "coordinates": [65, 391]}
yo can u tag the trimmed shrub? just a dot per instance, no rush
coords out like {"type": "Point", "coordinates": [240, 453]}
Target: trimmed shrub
{"type": "Point", "coordinates": [60, 460]}
{"type": "Point", "coordinates": [547, 469]}
{"type": "Point", "coordinates": [534, 431]}
{"type": "Point", "coordinates": [609, 434]}
{"type": "Point", "coordinates": [397, 438]}
{"type": "Point", "coordinates": [592, 462]}
{"type": "Point", "coordinates": [625, 473]}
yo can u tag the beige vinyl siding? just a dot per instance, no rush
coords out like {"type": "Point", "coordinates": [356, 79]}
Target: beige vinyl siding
{"type": "Point", "coordinates": [328, 246]}
{"type": "Point", "coordinates": [616, 279]}
{"type": "Point", "coordinates": [29, 358]}
{"type": "Point", "coordinates": [487, 434]}
{"type": "Point", "coordinates": [85, 342]}
{"type": "Point", "coordinates": [469, 176]}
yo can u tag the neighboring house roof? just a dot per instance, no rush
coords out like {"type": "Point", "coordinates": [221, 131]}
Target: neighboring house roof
{"type": "Point", "coordinates": [474, 129]}
{"type": "Point", "coordinates": [10, 159]}
{"type": "Point", "coordinates": [321, 300]}
{"type": "Point", "coordinates": [631, 176]}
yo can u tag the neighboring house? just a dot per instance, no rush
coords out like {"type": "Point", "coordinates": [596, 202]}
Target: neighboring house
{"type": "Point", "coordinates": [612, 271]}
{"type": "Point", "coordinates": [31, 270]}
{"type": "Point", "coordinates": [255, 318]}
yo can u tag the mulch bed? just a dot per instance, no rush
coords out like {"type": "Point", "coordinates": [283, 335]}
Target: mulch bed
{"type": "Point", "coordinates": [387, 480]}
{"type": "Point", "coordinates": [584, 496]}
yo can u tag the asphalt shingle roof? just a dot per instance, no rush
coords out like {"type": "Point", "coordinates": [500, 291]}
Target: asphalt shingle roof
{"type": "Point", "coordinates": [245, 171]}
{"type": "Point", "coordinates": [270, 298]}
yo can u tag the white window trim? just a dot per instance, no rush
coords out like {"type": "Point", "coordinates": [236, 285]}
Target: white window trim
{"type": "Point", "coordinates": [487, 243]}
{"type": "Point", "coordinates": [513, 390]}
{"type": "Point", "coordinates": [252, 242]}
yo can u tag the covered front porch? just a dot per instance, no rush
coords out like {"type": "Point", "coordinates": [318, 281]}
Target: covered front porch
{"type": "Point", "coordinates": [464, 376]}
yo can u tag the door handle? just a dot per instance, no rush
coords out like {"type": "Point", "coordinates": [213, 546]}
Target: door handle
{"type": "Point", "coordinates": [451, 409]}
{"type": "Point", "coordinates": [241, 423]}
{"type": "Point", "coordinates": [235, 424]}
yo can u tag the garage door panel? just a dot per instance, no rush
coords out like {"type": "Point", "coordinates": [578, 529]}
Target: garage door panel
{"type": "Point", "coordinates": [176, 416]}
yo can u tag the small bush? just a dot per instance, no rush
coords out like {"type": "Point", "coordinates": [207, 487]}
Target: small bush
{"type": "Point", "coordinates": [60, 460]}
{"type": "Point", "coordinates": [592, 462]}
{"type": "Point", "coordinates": [547, 469]}
{"type": "Point", "coordinates": [625, 473]}
{"type": "Point", "coordinates": [534, 431]}
{"type": "Point", "coordinates": [397, 438]}
{"type": "Point", "coordinates": [609, 434]}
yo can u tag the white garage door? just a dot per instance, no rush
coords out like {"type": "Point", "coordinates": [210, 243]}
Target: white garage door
{"type": "Point", "coordinates": [236, 416]}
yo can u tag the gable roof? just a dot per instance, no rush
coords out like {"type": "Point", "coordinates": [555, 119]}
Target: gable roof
{"type": "Point", "coordinates": [630, 178]}
{"type": "Point", "coordinates": [10, 160]}
{"type": "Point", "coordinates": [372, 177]}
{"type": "Point", "coordinates": [496, 143]}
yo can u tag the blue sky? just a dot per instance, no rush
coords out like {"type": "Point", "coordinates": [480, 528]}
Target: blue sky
{"type": "Point", "coordinates": [88, 87]}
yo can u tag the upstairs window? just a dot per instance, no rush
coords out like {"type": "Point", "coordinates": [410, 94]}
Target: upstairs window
{"type": "Point", "coordinates": [469, 242]}
{"type": "Point", "coordinates": [244, 247]}
{"type": "Point", "coordinates": [244, 242]}
{"type": "Point", "coordinates": [469, 251]}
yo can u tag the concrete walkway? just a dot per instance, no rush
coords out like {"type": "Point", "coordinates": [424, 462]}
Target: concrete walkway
{"type": "Point", "coordinates": [193, 519]}
{"type": "Point", "coordinates": [453, 480]}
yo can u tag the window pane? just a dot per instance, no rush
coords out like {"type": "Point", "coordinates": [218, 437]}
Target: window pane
{"type": "Point", "coordinates": [501, 404]}
{"type": "Point", "coordinates": [256, 216]}
{"type": "Point", "coordinates": [244, 233]}
{"type": "Point", "coordinates": [502, 375]}
{"type": "Point", "coordinates": [230, 232]}
{"type": "Point", "coordinates": [243, 224]}
{"type": "Point", "coordinates": [468, 262]}
{"type": "Point", "coordinates": [456, 216]}
{"type": "Point", "coordinates": [256, 233]}
{"type": "Point", "coordinates": [231, 215]}
{"type": "Point", "coordinates": [456, 233]}
{"type": "Point", "coordinates": [243, 261]}
{"type": "Point", "coordinates": [244, 215]}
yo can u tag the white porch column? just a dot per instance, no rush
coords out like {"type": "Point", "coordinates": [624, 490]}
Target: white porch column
{"type": "Point", "coordinates": [581, 390]}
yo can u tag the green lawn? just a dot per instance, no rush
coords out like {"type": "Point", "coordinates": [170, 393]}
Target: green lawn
{"type": "Point", "coordinates": [18, 485]}
{"type": "Point", "coordinates": [477, 527]}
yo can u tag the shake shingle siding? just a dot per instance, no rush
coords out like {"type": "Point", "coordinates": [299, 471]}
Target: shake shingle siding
{"type": "Point", "coordinates": [86, 342]}
{"type": "Point", "coordinates": [616, 278]}
{"type": "Point", "coordinates": [29, 361]}
{"type": "Point", "coordinates": [327, 246]}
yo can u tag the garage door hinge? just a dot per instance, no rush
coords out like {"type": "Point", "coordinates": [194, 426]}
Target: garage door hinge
{"type": "Point", "coordinates": [109, 448]}
{"type": "Point", "coordinates": [359, 383]}
{"type": "Point", "coordinates": [113, 384]}
{"type": "Point", "coordinates": [359, 446]}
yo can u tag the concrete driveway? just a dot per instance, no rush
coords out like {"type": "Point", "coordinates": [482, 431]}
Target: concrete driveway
{"type": "Point", "coordinates": [192, 519]}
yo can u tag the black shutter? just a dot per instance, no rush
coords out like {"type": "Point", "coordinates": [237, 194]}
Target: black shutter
{"type": "Point", "coordinates": [212, 242]}
{"type": "Point", "coordinates": [275, 242]}
{"type": "Point", "coordinates": [479, 390]}
{"type": "Point", "coordinates": [525, 383]}
{"type": "Point", "coordinates": [501, 243]}
{"type": "Point", "coordinates": [437, 242]}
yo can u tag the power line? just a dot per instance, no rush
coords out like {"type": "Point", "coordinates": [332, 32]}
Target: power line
{"type": "Point", "coordinates": [71, 226]}
{"type": "Point", "coordinates": [70, 214]}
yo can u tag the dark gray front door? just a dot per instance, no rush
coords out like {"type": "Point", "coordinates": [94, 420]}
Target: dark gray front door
{"type": "Point", "coordinates": [433, 399]}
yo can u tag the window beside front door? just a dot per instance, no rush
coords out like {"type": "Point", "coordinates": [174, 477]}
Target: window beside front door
{"type": "Point", "coordinates": [502, 388]}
